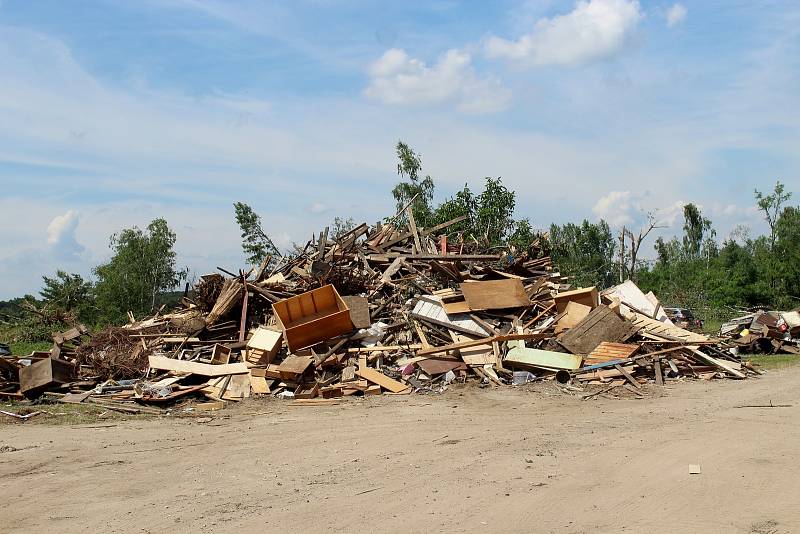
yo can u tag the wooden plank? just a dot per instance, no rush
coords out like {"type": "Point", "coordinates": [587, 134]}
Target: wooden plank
{"type": "Point", "coordinates": [607, 351]}
{"type": "Point", "coordinates": [392, 269]}
{"type": "Point", "coordinates": [413, 225]}
{"type": "Point", "coordinates": [476, 342]}
{"type": "Point", "coordinates": [586, 296]}
{"type": "Point", "coordinates": [719, 364]}
{"type": "Point", "coordinates": [376, 377]}
{"type": "Point", "coordinates": [495, 294]}
{"type": "Point", "coordinates": [259, 385]}
{"type": "Point", "coordinates": [659, 373]}
{"type": "Point", "coordinates": [600, 325]}
{"type": "Point", "coordinates": [196, 368]}
{"type": "Point", "coordinates": [627, 376]}
{"type": "Point", "coordinates": [294, 366]}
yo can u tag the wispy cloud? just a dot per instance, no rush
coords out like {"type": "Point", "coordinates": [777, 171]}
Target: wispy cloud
{"type": "Point", "coordinates": [676, 14]}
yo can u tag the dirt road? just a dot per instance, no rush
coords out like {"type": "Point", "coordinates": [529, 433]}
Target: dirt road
{"type": "Point", "coordinates": [471, 460]}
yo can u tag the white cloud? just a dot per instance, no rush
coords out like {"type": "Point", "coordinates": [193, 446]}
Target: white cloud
{"type": "Point", "coordinates": [62, 227]}
{"type": "Point", "coordinates": [593, 30]}
{"type": "Point", "coordinates": [615, 208]}
{"type": "Point", "coordinates": [396, 78]}
{"type": "Point", "coordinates": [676, 14]}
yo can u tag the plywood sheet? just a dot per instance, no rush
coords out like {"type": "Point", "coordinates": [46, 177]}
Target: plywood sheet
{"type": "Point", "coordinates": [600, 325]}
{"type": "Point", "coordinates": [495, 294]}
{"type": "Point", "coordinates": [574, 313]}
{"type": "Point", "coordinates": [586, 296]}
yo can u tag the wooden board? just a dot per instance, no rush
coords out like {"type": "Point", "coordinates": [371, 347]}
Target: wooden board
{"type": "Point", "coordinates": [600, 325]}
{"type": "Point", "coordinates": [521, 355]}
{"type": "Point", "coordinates": [608, 351]}
{"type": "Point", "coordinates": [266, 340]}
{"type": "Point", "coordinates": [294, 366]}
{"type": "Point", "coordinates": [196, 368]}
{"type": "Point", "coordinates": [586, 296]}
{"type": "Point", "coordinates": [477, 355]}
{"type": "Point", "coordinates": [573, 314]}
{"type": "Point", "coordinates": [718, 363]}
{"type": "Point", "coordinates": [359, 311]}
{"type": "Point", "coordinates": [430, 309]}
{"type": "Point", "coordinates": [495, 294]}
{"type": "Point", "coordinates": [376, 377]}
{"type": "Point", "coordinates": [259, 385]}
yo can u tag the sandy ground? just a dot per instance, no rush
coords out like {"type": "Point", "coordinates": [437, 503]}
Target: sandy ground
{"type": "Point", "coordinates": [473, 459]}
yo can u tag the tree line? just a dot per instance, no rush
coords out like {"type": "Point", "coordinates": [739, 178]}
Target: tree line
{"type": "Point", "coordinates": [693, 269]}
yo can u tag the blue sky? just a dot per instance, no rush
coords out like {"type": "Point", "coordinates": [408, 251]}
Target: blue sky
{"type": "Point", "coordinates": [115, 112]}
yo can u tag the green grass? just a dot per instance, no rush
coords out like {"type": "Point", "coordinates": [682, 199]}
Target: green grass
{"type": "Point", "coordinates": [23, 348]}
{"type": "Point", "coordinates": [63, 414]}
{"type": "Point", "coordinates": [772, 361]}
{"type": "Point", "coordinates": [711, 326]}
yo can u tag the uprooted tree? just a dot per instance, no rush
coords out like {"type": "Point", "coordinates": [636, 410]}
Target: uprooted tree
{"type": "Point", "coordinates": [256, 243]}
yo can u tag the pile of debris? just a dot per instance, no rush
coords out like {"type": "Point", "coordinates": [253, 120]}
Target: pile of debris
{"type": "Point", "coordinates": [378, 310]}
{"type": "Point", "coordinates": [766, 332]}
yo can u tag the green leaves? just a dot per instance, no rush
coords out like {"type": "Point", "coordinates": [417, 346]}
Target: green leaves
{"type": "Point", "coordinates": [142, 266]}
{"type": "Point", "coordinates": [256, 244]}
{"type": "Point", "coordinates": [70, 293]}
{"type": "Point", "coordinates": [584, 252]}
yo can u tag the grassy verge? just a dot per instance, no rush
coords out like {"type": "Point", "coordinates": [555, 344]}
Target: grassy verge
{"type": "Point", "coordinates": [774, 361]}
{"type": "Point", "coordinates": [63, 414]}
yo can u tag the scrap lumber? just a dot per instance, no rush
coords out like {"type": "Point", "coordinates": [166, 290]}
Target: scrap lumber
{"type": "Point", "coordinates": [495, 294]}
{"type": "Point", "coordinates": [376, 377]}
{"type": "Point", "coordinates": [195, 368]}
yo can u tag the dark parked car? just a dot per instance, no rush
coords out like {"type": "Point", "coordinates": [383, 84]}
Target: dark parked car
{"type": "Point", "coordinates": [684, 318]}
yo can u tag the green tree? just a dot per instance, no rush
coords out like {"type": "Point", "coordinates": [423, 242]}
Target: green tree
{"type": "Point", "coordinates": [141, 267]}
{"type": "Point", "coordinates": [69, 293]}
{"type": "Point", "coordinates": [414, 186]}
{"type": "Point", "coordinates": [696, 229]}
{"type": "Point", "coordinates": [494, 215]}
{"type": "Point", "coordinates": [787, 253]}
{"type": "Point", "coordinates": [341, 226]}
{"type": "Point", "coordinates": [771, 205]}
{"type": "Point", "coordinates": [256, 244]}
{"type": "Point", "coordinates": [584, 252]}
